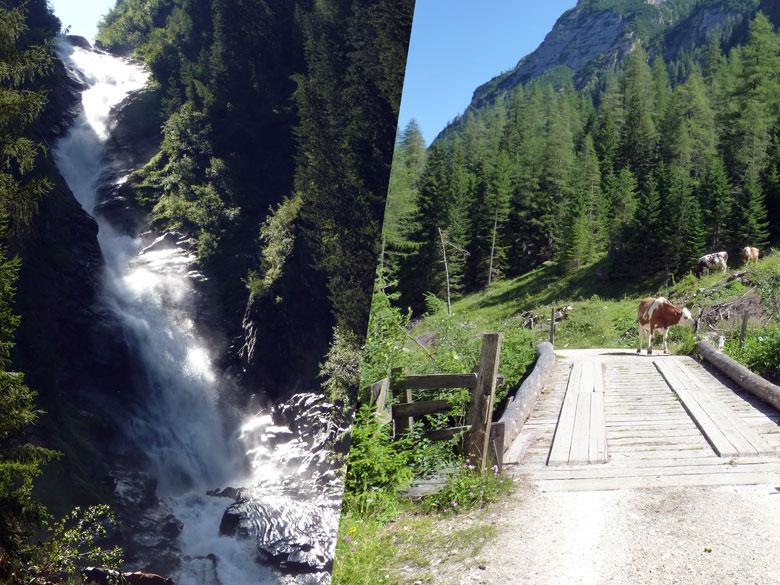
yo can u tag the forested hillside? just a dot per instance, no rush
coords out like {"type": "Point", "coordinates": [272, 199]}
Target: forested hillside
{"type": "Point", "coordinates": [267, 103]}
{"type": "Point", "coordinates": [644, 171]}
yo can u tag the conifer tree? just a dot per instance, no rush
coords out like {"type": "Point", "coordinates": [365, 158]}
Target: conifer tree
{"type": "Point", "coordinates": [608, 127]}
{"type": "Point", "coordinates": [460, 193]}
{"type": "Point", "coordinates": [754, 101]}
{"type": "Point", "coordinates": [749, 226]}
{"type": "Point", "coordinates": [527, 221]}
{"type": "Point", "coordinates": [715, 195]}
{"type": "Point", "coordinates": [638, 139]}
{"type": "Point", "coordinates": [422, 270]}
{"type": "Point", "coordinates": [20, 191]}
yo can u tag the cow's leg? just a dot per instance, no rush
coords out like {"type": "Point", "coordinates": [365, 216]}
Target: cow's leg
{"type": "Point", "coordinates": [666, 345]}
{"type": "Point", "coordinates": [641, 333]}
{"type": "Point", "coordinates": [650, 341]}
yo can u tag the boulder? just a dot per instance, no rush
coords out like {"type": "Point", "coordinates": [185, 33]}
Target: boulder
{"type": "Point", "coordinates": [78, 41]}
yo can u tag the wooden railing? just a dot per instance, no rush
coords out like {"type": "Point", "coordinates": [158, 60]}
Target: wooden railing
{"type": "Point", "coordinates": [484, 439]}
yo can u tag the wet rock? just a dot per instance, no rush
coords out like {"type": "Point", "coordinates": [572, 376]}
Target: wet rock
{"type": "Point", "coordinates": [167, 241]}
{"type": "Point", "coordinates": [228, 492]}
{"type": "Point", "coordinates": [121, 212]}
{"type": "Point", "coordinates": [78, 41]}
{"type": "Point", "coordinates": [171, 526]}
{"type": "Point", "coordinates": [295, 535]}
{"type": "Point", "coordinates": [101, 576]}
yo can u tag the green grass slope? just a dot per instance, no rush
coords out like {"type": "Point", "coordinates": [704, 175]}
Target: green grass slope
{"type": "Point", "coordinates": [604, 313]}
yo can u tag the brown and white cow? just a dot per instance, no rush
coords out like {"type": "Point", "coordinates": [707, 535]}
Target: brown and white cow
{"type": "Point", "coordinates": [710, 261]}
{"type": "Point", "coordinates": [749, 254]}
{"type": "Point", "coordinates": [657, 315]}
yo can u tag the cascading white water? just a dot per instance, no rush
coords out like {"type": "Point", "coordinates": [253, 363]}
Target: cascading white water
{"type": "Point", "coordinates": [150, 290]}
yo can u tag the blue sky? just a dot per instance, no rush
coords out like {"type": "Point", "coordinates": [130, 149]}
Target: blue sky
{"type": "Point", "coordinates": [457, 45]}
{"type": "Point", "coordinates": [81, 15]}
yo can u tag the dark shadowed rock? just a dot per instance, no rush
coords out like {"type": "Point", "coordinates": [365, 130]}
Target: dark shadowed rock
{"type": "Point", "coordinates": [121, 212]}
{"type": "Point", "coordinates": [78, 41]}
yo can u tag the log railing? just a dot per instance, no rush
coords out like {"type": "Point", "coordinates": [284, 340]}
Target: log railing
{"type": "Point", "coordinates": [747, 380]}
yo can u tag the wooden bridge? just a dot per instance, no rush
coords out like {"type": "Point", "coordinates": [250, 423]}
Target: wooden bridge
{"type": "Point", "coordinates": [609, 419]}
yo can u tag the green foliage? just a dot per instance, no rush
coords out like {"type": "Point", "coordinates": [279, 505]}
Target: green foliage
{"type": "Point", "coordinates": [468, 489]}
{"type": "Point", "coordinates": [33, 547]}
{"type": "Point", "coordinates": [376, 463]}
{"type": "Point", "coordinates": [21, 65]}
{"type": "Point", "coordinates": [340, 372]}
{"type": "Point", "coordinates": [277, 237]}
{"type": "Point", "coordinates": [387, 338]}
{"type": "Point", "coordinates": [74, 542]}
{"type": "Point", "coordinates": [761, 352]}
{"type": "Point", "coordinates": [408, 547]}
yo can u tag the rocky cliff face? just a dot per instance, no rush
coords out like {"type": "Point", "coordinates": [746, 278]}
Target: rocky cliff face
{"type": "Point", "coordinates": [599, 33]}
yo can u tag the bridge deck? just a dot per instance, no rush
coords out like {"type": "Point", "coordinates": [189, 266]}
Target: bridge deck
{"type": "Point", "coordinates": [665, 421]}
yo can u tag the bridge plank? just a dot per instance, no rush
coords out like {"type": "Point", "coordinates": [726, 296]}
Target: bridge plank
{"type": "Point", "coordinates": [714, 435]}
{"type": "Point", "coordinates": [578, 454]}
{"type": "Point", "coordinates": [581, 436]}
{"type": "Point", "coordinates": [564, 431]}
{"type": "Point", "coordinates": [728, 435]}
{"type": "Point", "coordinates": [744, 438]}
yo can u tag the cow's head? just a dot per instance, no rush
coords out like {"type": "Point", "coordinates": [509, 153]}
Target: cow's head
{"type": "Point", "coordinates": [686, 318]}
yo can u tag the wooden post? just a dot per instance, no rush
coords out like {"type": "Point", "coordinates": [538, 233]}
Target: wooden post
{"type": "Point", "coordinates": [552, 326]}
{"type": "Point", "coordinates": [743, 332]}
{"type": "Point", "coordinates": [697, 324]}
{"type": "Point", "coordinates": [401, 424]}
{"type": "Point", "coordinates": [496, 444]}
{"type": "Point", "coordinates": [481, 408]}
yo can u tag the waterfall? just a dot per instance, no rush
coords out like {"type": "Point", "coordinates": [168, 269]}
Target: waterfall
{"type": "Point", "coordinates": [149, 288]}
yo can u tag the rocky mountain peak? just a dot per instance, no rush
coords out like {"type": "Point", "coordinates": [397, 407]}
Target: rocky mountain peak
{"type": "Point", "coordinates": [596, 34]}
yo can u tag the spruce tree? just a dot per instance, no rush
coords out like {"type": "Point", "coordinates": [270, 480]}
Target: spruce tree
{"type": "Point", "coordinates": [20, 191]}
{"type": "Point", "coordinates": [715, 195]}
{"type": "Point", "coordinates": [639, 136]}
{"type": "Point", "coordinates": [422, 270]}
{"type": "Point", "coordinates": [749, 226]}
{"type": "Point", "coordinates": [755, 101]}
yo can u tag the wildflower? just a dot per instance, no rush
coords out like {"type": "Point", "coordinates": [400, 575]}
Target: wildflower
{"type": "Point", "coordinates": [454, 504]}
{"type": "Point", "coordinates": [495, 470]}
{"type": "Point", "coordinates": [348, 539]}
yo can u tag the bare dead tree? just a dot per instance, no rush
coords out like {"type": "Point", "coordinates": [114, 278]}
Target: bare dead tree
{"type": "Point", "coordinates": [446, 270]}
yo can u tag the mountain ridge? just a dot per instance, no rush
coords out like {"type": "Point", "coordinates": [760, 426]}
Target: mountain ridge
{"type": "Point", "coordinates": [596, 35]}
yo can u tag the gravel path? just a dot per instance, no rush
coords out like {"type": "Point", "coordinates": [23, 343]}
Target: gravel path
{"type": "Point", "coordinates": [692, 536]}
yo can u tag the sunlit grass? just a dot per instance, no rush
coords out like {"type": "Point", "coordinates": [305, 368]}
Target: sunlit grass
{"type": "Point", "coordinates": [604, 312]}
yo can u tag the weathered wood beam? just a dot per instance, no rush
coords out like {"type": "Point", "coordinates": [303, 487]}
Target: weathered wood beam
{"type": "Point", "coordinates": [436, 381]}
{"type": "Point", "coordinates": [444, 434]}
{"type": "Point", "coordinates": [412, 409]}
{"type": "Point", "coordinates": [749, 381]}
